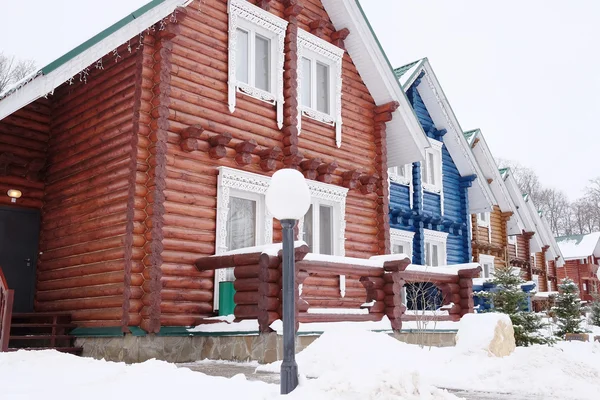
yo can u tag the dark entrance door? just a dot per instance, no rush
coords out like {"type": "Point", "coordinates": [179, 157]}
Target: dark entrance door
{"type": "Point", "coordinates": [19, 235]}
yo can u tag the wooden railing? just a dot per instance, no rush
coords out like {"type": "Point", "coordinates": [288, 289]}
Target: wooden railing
{"type": "Point", "coordinates": [333, 286]}
{"type": "Point", "coordinates": [6, 305]}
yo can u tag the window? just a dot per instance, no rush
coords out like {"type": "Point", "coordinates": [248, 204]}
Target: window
{"type": "Point", "coordinates": [536, 279]}
{"type": "Point", "coordinates": [320, 81]}
{"type": "Point", "coordinates": [512, 239]}
{"type": "Point", "coordinates": [487, 265]}
{"type": "Point", "coordinates": [253, 60]}
{"type": "Point", "coordinates": [256, 56]}
{"type": "Point", "coordinates": [244, 221]}
{"type": "Point", "coordinates": [435, 248]}
{"type": "Point", "coordinates": [318, 228]}
{"type": "Point", "coordinates": [401, 242]}
{"type": "Point", "coordinates": [401, 175]}
{"type": "Point", "coordinates": [431, 168]}
{"type": "Point", "coordinates": [483, 219]}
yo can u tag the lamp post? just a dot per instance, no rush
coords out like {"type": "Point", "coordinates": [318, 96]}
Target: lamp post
{"type": "Point", "coordinates": [288, 200]}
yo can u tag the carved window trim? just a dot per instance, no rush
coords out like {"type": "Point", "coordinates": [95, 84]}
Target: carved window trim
{"type": "Point", "coordinates": [232, 180]}
{"type": "Point", "coordinates": [440, 239]}
{"type": "Point", "coordinates": [335, 196]}
{"type": "Point", "coordinates": [310, 46]}
{"type": "Point", "coordinates": [242, 13]}
{"type": "Point", "coordinates": [402, 238]}
{"type": "Point", "coordinates": [436, 150]}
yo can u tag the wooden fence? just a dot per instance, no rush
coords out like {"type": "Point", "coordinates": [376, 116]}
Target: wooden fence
{"type": "Point", "coordinates": [6, 305]}
{"type": "Point", "coordinates": [376, 287]}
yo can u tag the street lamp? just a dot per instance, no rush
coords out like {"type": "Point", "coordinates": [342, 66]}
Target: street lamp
{"type": "Point", "coordinates": [288, 200]}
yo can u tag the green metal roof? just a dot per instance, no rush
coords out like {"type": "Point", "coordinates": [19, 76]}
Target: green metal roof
{"type": "Point", "coordinates": [470, 135]}
{"type": "Point", "coordinates": [102, 35]}
{"type": "Point", "coordinates": [403, 69]}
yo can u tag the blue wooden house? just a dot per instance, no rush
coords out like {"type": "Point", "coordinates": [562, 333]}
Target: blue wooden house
{"type": "Point", "coordinates": [431, 201]}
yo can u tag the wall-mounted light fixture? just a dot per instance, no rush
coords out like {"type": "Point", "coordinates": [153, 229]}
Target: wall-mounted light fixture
{"type": "Point", "coordinates": [14, 194]}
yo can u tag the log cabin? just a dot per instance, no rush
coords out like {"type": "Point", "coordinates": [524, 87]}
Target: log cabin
{"type": "Point", "coordinates": [431, 202]}
{"type": "Point", "coordinates": [582, 258]}
{"type": "Point", "coordinates": [493, 231]}
{"type": "Point", "coordinates": [534, 251]}
{"type": "Point", "coordinates": [150, 146]}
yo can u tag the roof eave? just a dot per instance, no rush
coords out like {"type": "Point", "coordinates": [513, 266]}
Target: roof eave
{"type": "Point", "coordinates": [84, 55]}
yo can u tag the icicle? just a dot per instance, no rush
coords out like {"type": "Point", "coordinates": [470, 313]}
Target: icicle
{"type": "Point", "coordinates": [129, 46]}
{"type": "Point", "coordinates": [141, 41]}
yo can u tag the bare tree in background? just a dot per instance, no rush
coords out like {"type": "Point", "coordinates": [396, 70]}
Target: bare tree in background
{"type": "Point", "coordinates": [12, 71]}
{"type": "Point", "coordinates": [526, 178]}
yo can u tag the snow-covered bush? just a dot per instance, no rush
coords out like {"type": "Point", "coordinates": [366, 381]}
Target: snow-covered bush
{"type": "Point", "coordinates": [594, 318]}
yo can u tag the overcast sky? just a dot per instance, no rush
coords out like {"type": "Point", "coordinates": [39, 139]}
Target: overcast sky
{"type": "Point", "coordinates": [526, 72]}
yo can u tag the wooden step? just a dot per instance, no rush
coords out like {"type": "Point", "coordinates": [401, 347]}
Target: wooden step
{"type": "Point", "coordinates": [71, 350]}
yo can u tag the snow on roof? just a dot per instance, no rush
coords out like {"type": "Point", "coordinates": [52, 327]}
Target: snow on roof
{"type": "Point", "coordinates": [442, 269]}
{"type": "Point", "coordinates": [579, 246]}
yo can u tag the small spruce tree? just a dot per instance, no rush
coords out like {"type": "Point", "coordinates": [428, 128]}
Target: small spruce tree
{"type": "Point", "coordinates": [508, 298]}
{"type": "Point", "coordinates": [595, 312]}
{"type": "Point", "coordinates": [568, 309]}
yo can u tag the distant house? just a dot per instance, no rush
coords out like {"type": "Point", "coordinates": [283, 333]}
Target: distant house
{"type": "Point", "coordinates": [431, 202]}
{"type": "Point", "coordinates": [495, 231]}
{"type": "Point", "coordinates": [582, 258]}
{"type": "Point", "coordinates": [534, 250]}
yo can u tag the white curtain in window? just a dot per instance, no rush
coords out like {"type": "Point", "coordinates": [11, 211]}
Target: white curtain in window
{"type": "Point", "coordinates": [241, 223]}
{"type": "Point", "coordinates": [241, 72]}
{"type": "Point", "coordinates": [326, 230]}
{"type": "Point", "coordinates": [261, 60]}
{"type": "Point", "coordinates": [322, 88]}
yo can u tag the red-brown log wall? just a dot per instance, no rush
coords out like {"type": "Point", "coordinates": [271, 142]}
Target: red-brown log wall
{"type": "Point", "coordinates": [89, 238]}
{"type": "Point", "coordinates": [24, 135]}
{"type": "Point", "coordinates": [198, 95]}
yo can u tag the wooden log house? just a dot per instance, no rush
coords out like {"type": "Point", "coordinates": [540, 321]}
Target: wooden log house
{"type": "Point", "coordinates": [431, 203]}
{"type": "Point", "coordinates": [534, 251]}
{"type": "Point", "coordinates": [495, 233]}
{"type": "Point", "coordinates": [150, 146]}
{"type": "Point", "coordinates": [582, 261]}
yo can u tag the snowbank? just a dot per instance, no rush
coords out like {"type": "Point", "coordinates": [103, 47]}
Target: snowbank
{"type": "Point", "coordinates": [569, 370]}
{"type": "Point", "coordinates": [490, 332]}
{"type": "Point", "coordinates": [99, 380]}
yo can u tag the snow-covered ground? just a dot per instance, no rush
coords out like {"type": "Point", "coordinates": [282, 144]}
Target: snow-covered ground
{"type": "Point", "coordinates": [348, 363]}
{"type": "Point", "coordinates": [568, 370]}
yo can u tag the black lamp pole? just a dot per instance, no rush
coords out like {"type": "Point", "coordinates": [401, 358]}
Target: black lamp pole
{"type": "Point", "coordinates": [289, 368]}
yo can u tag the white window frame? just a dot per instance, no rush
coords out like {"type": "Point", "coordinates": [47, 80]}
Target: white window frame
{"type": "Point", "coordinates": [406, 180]}
{"type": "Point", "coordinates": [334, 196]}
{"type": "Point", "coordinates": [485, 221]}
{"type": "Point", "coordinates": [402, 238]}
{"type": "Point", "coordinates": [317, 49]}
{"type": "Point", "coordinates": [248, 17]}
{"type": "Point", "coordinates": [439, 239]}
{"type": "Point", "coordinates": [316, 220]}
{"type": "Point", "coordinates": [512, 239]}
{"type": "Point", "coordinates": [238, 183]}
{"type": "Point", "coordinates": [436, 150]}
{"type": "Point", "coordinates": [486, 259]}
